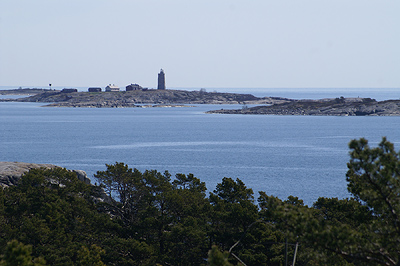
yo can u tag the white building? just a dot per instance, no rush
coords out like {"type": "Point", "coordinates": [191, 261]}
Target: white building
{"type": "Point", "coordinates": [112, 88]}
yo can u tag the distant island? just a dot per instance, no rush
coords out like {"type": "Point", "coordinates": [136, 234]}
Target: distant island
{"type": "Point", "coordinates": [136, 98]}
{"type": "Point", "coordinates": [25, 91]}
{"type": "Point", "coordinates": [324, 107]}
{"type": "Point", "coordinates": [182, 98]}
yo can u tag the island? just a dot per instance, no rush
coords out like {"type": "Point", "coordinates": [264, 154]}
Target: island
{"type": "Point", "coordinates": [137, 98]}
{"type": "Point", "coordinates": [25, 91]}
{"type": "Point", "coordinates": [181, 98]}
{"type": "Point", "coordinates": [323, 107]}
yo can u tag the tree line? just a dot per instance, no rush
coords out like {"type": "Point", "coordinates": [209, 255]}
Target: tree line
{"type": "Point", "coordinates": [152, 218]}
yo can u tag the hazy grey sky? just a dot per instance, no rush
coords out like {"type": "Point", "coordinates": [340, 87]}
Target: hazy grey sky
{"type": "Point", "coordinates": [201, 43]}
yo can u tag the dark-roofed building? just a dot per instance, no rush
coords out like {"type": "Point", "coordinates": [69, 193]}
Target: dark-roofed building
{"type": "Point", "coordinates": [94, 89]}
{"type": "Point", "coordinates": [68, 90]}
{"type": "Point", "coordinates": [134, 87]}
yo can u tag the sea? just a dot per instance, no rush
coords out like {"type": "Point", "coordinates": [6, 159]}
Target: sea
{"type": "Point", "coordinates": [302, 156]}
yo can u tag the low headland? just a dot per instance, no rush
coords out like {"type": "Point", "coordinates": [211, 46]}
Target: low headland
{"type": "Point", "coordinates": [323, 107]}
{"type": "Point", "coordinates": [182, 98]}
{"type": "Point", "coordinates": [137, 98]}
{"type": "Point", "coordinates": [24, 91]}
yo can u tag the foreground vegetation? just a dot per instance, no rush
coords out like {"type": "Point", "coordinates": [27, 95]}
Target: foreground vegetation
{"type": "Point", "coordinates": [52, 218]}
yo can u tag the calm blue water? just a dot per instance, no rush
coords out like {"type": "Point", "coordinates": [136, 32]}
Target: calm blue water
{"type": "Point", "coordinates": [303, 156]}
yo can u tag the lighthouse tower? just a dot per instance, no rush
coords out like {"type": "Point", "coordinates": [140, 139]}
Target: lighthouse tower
{"type": "Point", "coordinates": [161, 80]}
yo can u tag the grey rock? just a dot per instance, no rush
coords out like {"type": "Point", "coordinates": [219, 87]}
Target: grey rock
{"type": "Point", "coordinates": [137, 97]}
{"type": "Point", "coordinates": [11, 172]}
{"type": "Point", "coordinates": [82, 176]}
{"type": "Point", "coordinates": [327, 107]}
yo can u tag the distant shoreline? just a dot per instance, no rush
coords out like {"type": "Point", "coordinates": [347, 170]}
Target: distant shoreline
{"type": "Point", "coordinates": [138, 97]}
{"type": "Point", "coordinates": [380, 94]}
{"type": "Point", "coordinates": [179, 98]}
{"type": "Point", "coordinates": [25, 91]}
{"type": "Point", "coordinates": [324, 107]}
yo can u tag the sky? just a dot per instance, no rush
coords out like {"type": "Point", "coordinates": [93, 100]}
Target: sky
{"type": "Point", "coordinates": [201, 43]}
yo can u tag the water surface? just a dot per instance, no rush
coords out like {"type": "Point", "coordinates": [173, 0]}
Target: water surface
{"type": "Point", "coordinates": [304, 156]}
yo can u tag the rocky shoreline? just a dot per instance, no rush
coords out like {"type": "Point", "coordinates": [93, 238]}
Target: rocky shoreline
{"type": "Point", "coordinates": [324, 107]}
{"type": "Point", "coordinates": [25, 91]}
{"type": "Point", "coordinates": [153, 98]}
{"type": "Point", "coordinates": [11, 172]}
{"type": "Point", "coordinates": [181, 98]}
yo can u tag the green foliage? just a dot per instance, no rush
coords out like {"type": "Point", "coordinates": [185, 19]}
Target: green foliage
{"type": "Point", "coordinates": [55, 213]}
{"type": "Point", "coordinates": [90, 257]}
{"type": "Point", "coordinates": [188, 208]}
{"type": "Point", "coordinates": [168, 216]}
{"type": "Point", "coordinates": [115, 179]}
{"type": "Point", "coordinates": [233, 212]}
{"type": "Point", "coordinates": [288, 220]}
{"type": "Point", "coordinates": [18, 254]}
{"type": "Point", "coordinates": [374, 180]}
{"type": "Point", "coordinates": [218, 258]}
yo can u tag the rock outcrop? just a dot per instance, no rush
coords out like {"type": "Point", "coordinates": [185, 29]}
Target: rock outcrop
{"type": "Point", "coordinates": [25, 91]}
{"type": "Point", "coordinates": [11, 172]}
{"type": "Point", "coordinates": [325, 107]}
{"type": "Point", "coordinates": [134, 98]}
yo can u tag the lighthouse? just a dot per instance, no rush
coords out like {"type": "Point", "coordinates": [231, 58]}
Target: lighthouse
{"type": "Point", "coordinates": [161, 80]}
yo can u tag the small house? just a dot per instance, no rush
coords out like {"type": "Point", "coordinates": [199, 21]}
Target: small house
{"type": "Point", "coordinates": [94, 89]}
{"type": "Point", "coordinates": [134, 87]}
{"type": "Point", "coordinates": [65, 90]}
{"type": "Point", "coordinates": [112, 88]}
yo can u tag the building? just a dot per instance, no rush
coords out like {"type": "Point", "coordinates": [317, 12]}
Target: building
{"type": "Point", "coordinates": [68, 90]}
{"type": "Point", "coordinates": [134, 87]}
{"type": "Point", "coordinates": [94, 89]}
{"type": "Point", "coordinates": [161, 80]}
{"type": "Point", "coordinates": [112, 88]}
